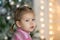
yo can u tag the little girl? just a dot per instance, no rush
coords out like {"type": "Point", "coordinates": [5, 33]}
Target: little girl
{"type": "Point", "coordinates": [25, 21]}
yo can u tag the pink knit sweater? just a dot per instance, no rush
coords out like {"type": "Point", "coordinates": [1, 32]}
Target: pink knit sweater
{"type": "Point", "coordinates": [21, 35]}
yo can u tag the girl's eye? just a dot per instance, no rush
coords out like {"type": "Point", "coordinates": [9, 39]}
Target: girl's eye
{"type": "Point", "coordinates": [33, 19]}
{"type": "Point", "coordinates": [27, 20]}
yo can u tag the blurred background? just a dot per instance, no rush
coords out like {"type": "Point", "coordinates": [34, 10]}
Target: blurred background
{"type": "Point", "coordinates": [47, 18]}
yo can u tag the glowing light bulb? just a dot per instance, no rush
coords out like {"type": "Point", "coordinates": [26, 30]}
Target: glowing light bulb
{"type": "Point", "coordinates": [12, 2]}
{"type": "Point", "coordinates": [17, 5]}
{"type": "Point", "coordinates": [42, 37]}
{"type": "Point", "coordinates": [19, 0]}
{"type": "Point", "coordinates": [42, 7]}
{"type": "Point", "coordinates": [41, 14]}
{"type": "Point", "coordinates": [41, 19]}
{"type": "Point", "coordinates": [50, 4]}
{"type": "Point", "coordinates": [51, 33]}
{"type": "Point", "coordinates": [50, 9]}
{"type": "Point", "coordinates": [42, 25]}
{"type": "Point", "coordinates": [8, 17]}
{"type": "Point", "coordinates": [5, 37]}
{"type": "Point", "coordinates": [50, 27]}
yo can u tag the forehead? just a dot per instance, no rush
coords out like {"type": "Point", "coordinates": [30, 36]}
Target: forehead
{"type": "Point", "coordinates": [28, 16]}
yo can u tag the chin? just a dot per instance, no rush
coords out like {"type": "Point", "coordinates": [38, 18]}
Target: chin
{"type": "Point", "coordinates": [31, 30]}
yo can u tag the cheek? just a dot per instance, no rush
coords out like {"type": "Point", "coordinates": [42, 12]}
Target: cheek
{"type": "Point", "coordinates": [34, 24]}
{"type": "Point", "coordinates": [26, 24]}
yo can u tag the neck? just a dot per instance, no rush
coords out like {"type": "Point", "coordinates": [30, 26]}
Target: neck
{"type": "Point", "coordinates": [24, 30]}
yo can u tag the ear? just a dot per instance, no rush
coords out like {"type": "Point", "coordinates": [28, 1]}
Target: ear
{"type": "Point", "coordinates": [18, 24]}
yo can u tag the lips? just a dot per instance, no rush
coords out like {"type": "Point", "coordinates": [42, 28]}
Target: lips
{"type": "Point", "coordinates": [32, 27]}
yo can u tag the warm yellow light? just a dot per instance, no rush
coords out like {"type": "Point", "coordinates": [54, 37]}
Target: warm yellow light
{"type": "Point", "coordinates": [42, 25]}
{"type": "Point", "coordinates": [42, 37]}
{"type": "Point", "coordinates": [51, 38]}
{"type": "Point", "coordinates": [42, 7]}
{"type": "Point", "coordinates": [51, 32]}
{"type": "Point", "coordinates": [12, 3]}
{"type": "Point", "coordinates": [41, 19]}
{"type": "Point", "coordinates": [50, 9]}
{"type": "Point", "coordinates": [50, 27]}
{"type": "Point", "coordinates": [50, 3]}
{"type": "Point", "coordinates": [41, 14]}
{"type": "Point", "coordinates": [41, 31]}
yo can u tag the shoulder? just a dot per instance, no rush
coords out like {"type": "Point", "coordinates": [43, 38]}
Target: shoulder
{"type": "Point", "coordinates": [17, 36]}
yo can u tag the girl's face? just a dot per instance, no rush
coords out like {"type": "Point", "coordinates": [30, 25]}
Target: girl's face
{"type": "Point", "coordinates": [27, 22]}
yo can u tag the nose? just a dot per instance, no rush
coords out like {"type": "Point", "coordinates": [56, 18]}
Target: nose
{"type": "Point", "coordinates": [32, 23]}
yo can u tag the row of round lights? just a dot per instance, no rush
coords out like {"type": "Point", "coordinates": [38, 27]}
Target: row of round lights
{"type": "Point", "coordinates": [51, 19]}
{"type": "Point", "coordinates": [42, 19]}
